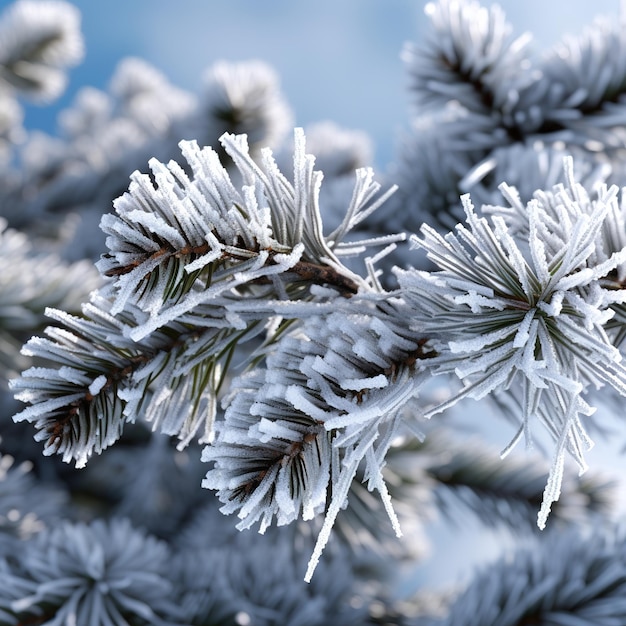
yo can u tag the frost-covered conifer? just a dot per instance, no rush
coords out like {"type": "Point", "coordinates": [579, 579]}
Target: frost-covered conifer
{"type": "Point", "coordinates": [105, 573]}
{"type": "Point", "coordinates": [263, 351]}
{"type": "Point", "coordinates": [488, 107]}
{"type": "Point", "coordinates": [568, 579]}
{"type": "Point", "coordinates": [38, 40]}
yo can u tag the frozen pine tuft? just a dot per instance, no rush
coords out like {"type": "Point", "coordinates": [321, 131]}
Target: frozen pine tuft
{"type": "Point", "coordinates": [327, 404]}
{"type": "Point", "coordinates": [569, 578]}
{"type": "Point", "coordinates": [527, 312]}
{"type": "Point", "coordinates": [275, 338]}
{"type": "Point", "coordinates": [197, 266]}
{"type": "Point", "coordinates": [38, 40]}
{"type": "Point", "coordinates": [104, 572]}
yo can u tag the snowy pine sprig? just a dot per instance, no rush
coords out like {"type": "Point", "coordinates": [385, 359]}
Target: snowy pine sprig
{"type": "Point", "coordinates": [484, 101]}
{"type": "Point", "coordinates": [527, 314]}
{"type": "Point", "coordinates": [230, 316]}
{"type": "Point", "coordinates": [328, 401]}
{"type": "Point", "coordinates": [38, 40]}
{"type": "Point", "coordinates": [579, 88]}
{"type": "Point", "coordinates": [100, 573]}
{"type": "Point", "coordinates": [473, 58]}
{"type": "Point", "coordinates": [103, 378]}
{"type": "Point", "coordinates": [569, 578]}
{"type": "Point", "coordinates": [470, 56]}
{"type": "Point", "coordinates": [188, 240]}
{"type": "Point", "coordinates": [197, 267]}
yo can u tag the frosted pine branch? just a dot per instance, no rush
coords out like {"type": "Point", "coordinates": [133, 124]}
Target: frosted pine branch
{"type": "Point", "coordinates": [330, 398]}
{"type": "Point", "coordinates": [240, 315]}
{"type": "Point", "coordinates": [197, 267]}
{"type": "Point", "coordinates": [492, 103]}
{"type": "Point", "coordinates": [569, 578]}
{"type": "Point", "coordinates": [103, 379]}
{"type": "Point", "coordinates": [470, 56]}
{"type": "Point", "coordinates": [526, 313]}
{"type": "Point", "coordinates": [188, 241]}
{"type": "Point", "coordinates": [37, 41]}
{"type": "Point", "coordinates": [587, 81]}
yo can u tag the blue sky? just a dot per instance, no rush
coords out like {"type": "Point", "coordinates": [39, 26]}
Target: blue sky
{"type": "Point", "coordinates": [337, 60]}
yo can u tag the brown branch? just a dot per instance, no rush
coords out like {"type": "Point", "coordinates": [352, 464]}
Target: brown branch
{"type": "Point", "coordinates": [56, 429]}
{"type": "Point", "coordinates": [126, 269]}
{"type": "Point", "coordinates": [294, 451]}
{"type": "Point", "coordinates": [324, 275]}
{"type": "Point", "coordinates": [408, 361]}
{"type": "Point", "coordinates": [312, 272]}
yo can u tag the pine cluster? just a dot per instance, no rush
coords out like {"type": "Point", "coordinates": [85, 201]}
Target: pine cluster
{"type": "Point", "coordinates": [246, 364]}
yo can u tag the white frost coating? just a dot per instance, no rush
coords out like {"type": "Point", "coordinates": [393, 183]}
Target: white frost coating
{"type": "Point", "coordinates": [340, 492]}
{"type": "Point", "coordinates": [537, 246]}
{"type": "Point", "coordinates": [484, 267]}
{"type": "Point", "coordinates": [32, 412]}
{"type": "Point", "coordinates": [120, 231]}
{"type": "Point", "coordinates": [575, 280]}
{"type": "Point", "coordinates": [267, 429]}
{"type": "Point", "coordinates": [316, 494]}
{"type": "Point", "coordinates": [296, 396]}
{"type": "Point", "coordinates": [187, 304]}
{"type": "Point", "coordinates": [476, 344]}
{"type": "Point", "coordinates": [205, 259]}
{"type": "Point", "coordinates": [489, 357]}
{"type": "Point", "coordinates": [255, 500]}
{"type": "Point", "coordinates": [616, 259]}
{"type": "Point", "coordinates": [522, 335]}
{"type": "Point", "coordinates": [329, 365]}
{"type": "Point", "coordinates": [128, 283]}
{"type": "Point", "coordinates": [287, 510]}
{"type": "Point", "coordinates": [287, 261]}
{"type": "Point", "coordinates": [470, 287]}
{"type": "Point", "coordinates": [383, 403]}
{"type": "Point", "coordinates": [157, 225]}
{"type": "Point", "coordinates": [130, 394]}
{"type": "Point", "coordinates": [73, 375]}
{"type": "Point", "coordinates": [387, 336]}
{"type": "Point", "coordinates": [235, 320]}
{"type": "Point", "coordinates": [358, 384]}
{"type": "Point", "coordinates": [35, 378]}
{"type": "Point", "coordinates": [378, 482]}
{"type": "Point", "coordinates": [97, 385]}
{"type": "Point", "coordinates": [367, 350]}
{"type": "Point", "coordinates": [477, 302]}
{"type": "Point", "coordinates": [552, 490]}
{"type": "Point", "coordinates": [554, 307]}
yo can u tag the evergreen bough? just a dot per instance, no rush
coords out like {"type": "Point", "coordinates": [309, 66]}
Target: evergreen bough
{"type": "Point", "coordinates": [270, 329]}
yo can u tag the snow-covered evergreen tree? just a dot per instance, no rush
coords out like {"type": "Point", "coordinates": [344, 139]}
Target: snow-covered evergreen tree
{"type": "Point", "coordinates": [230, 327]}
